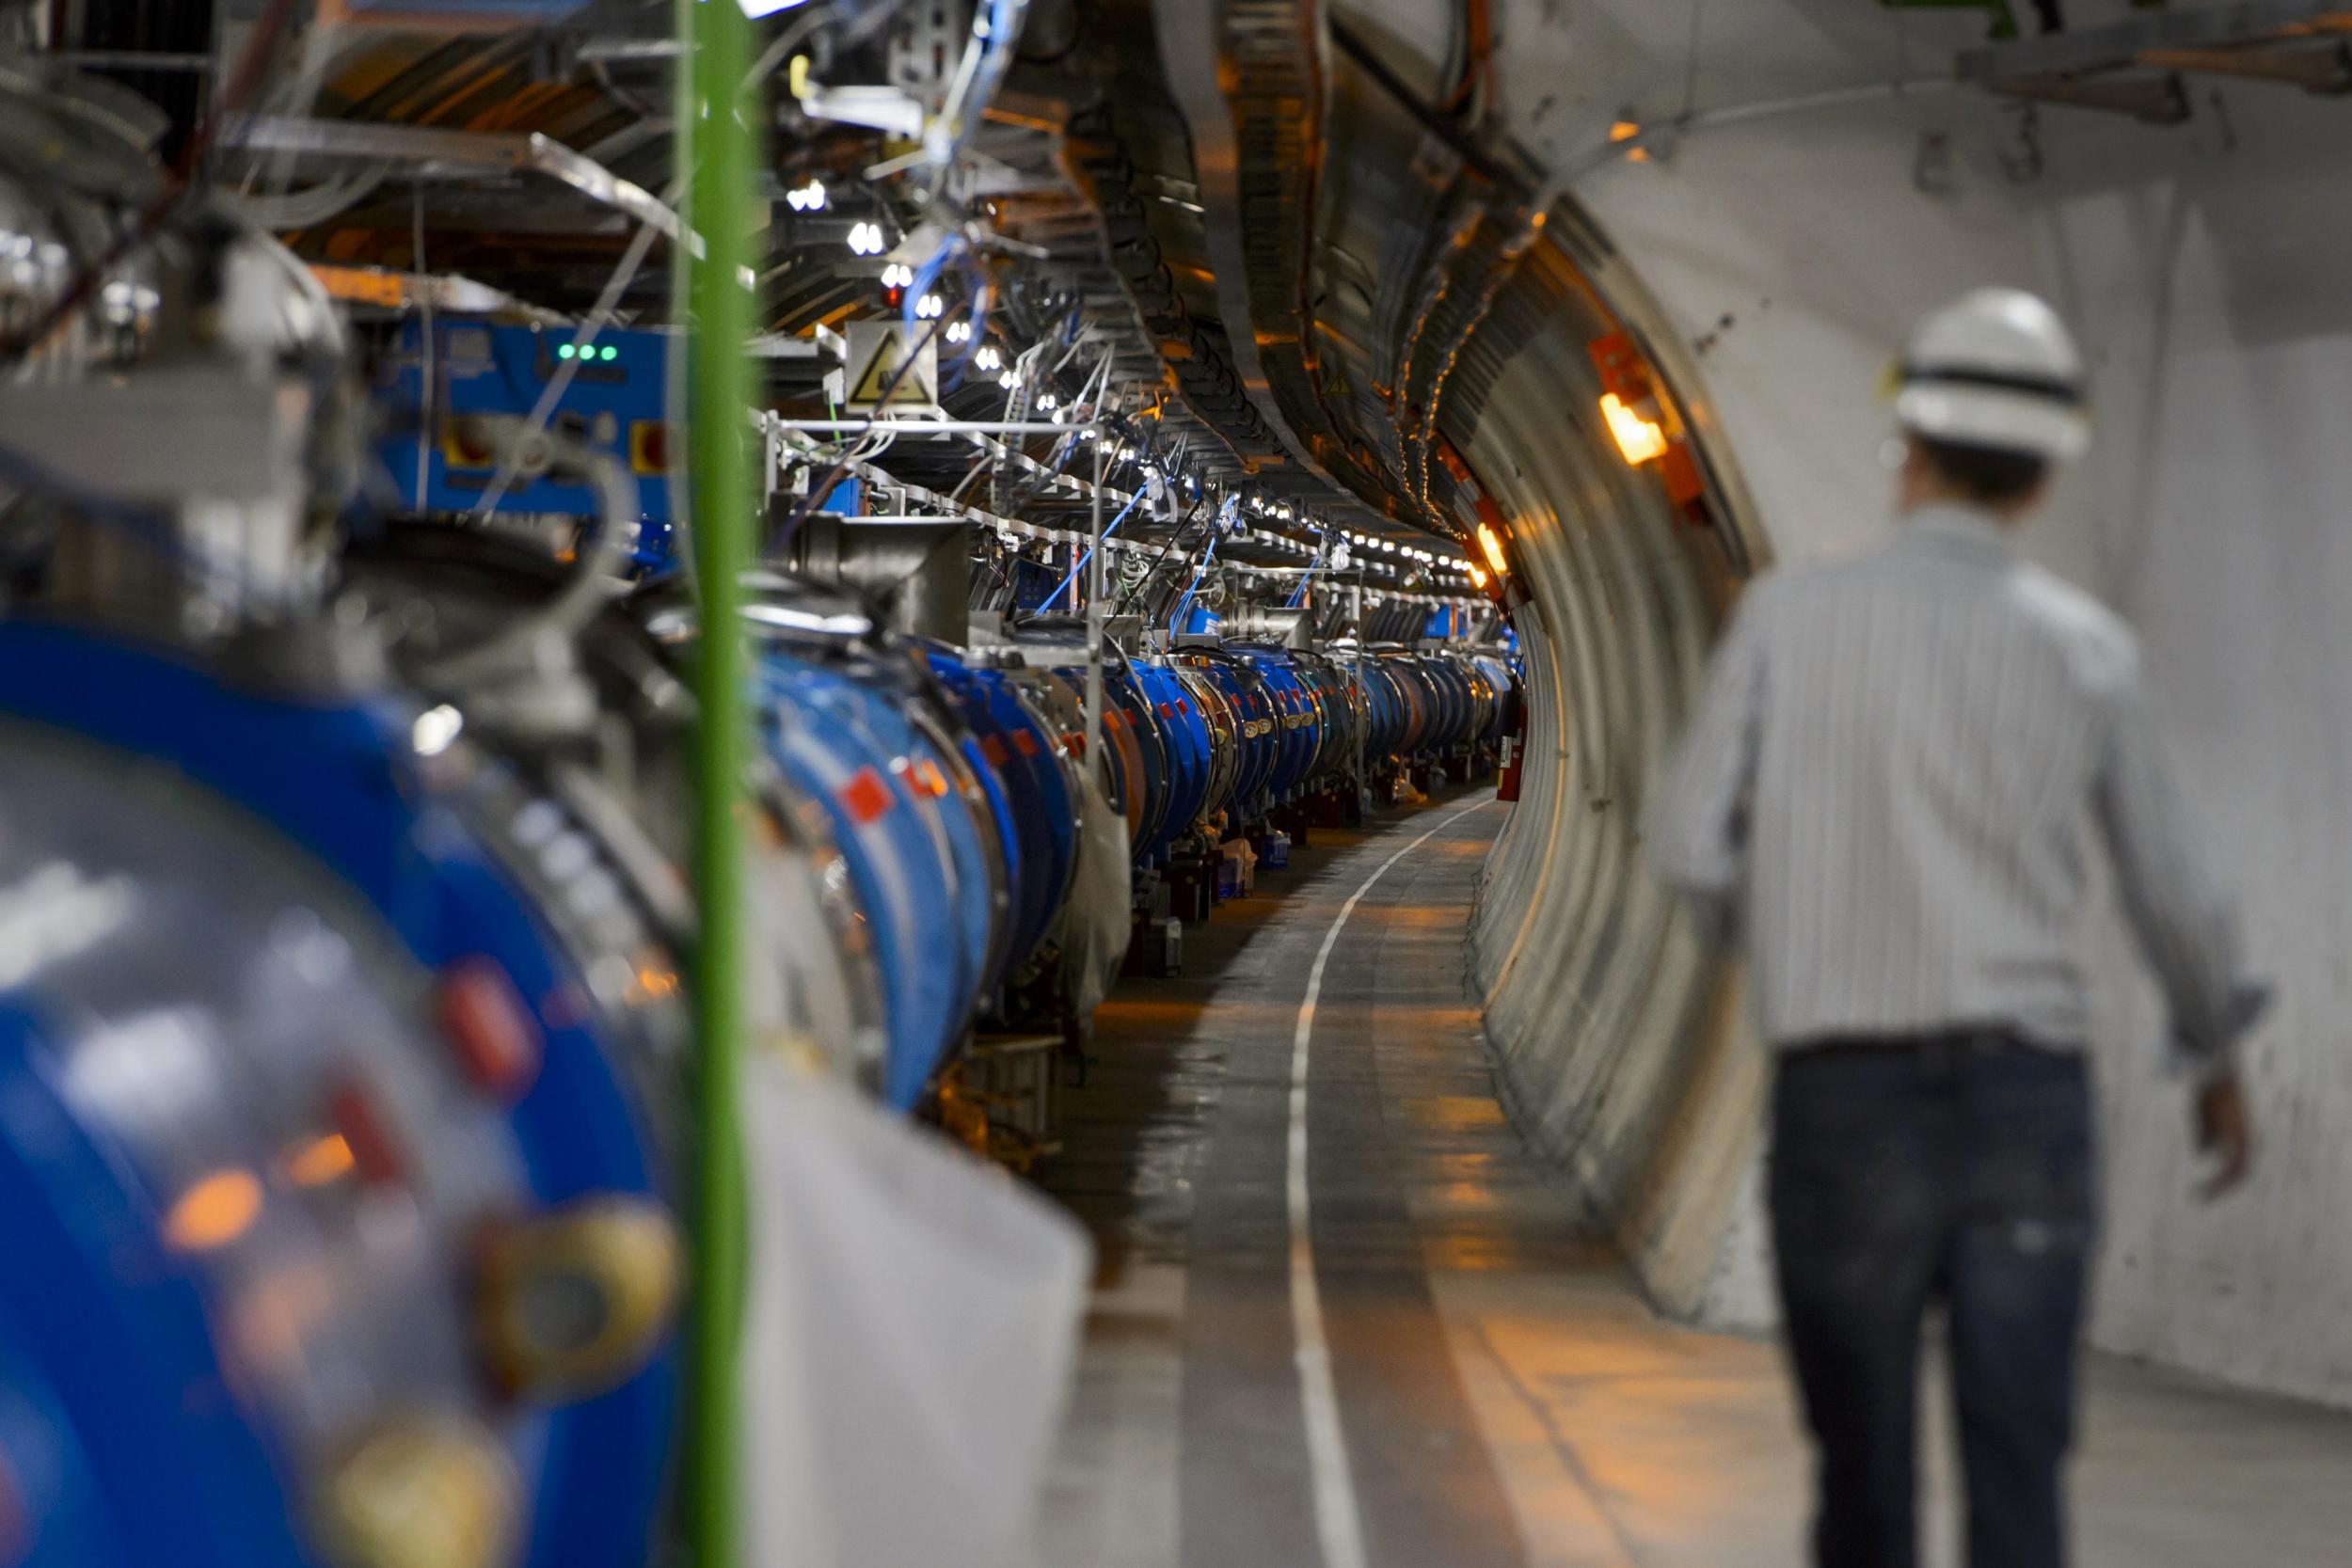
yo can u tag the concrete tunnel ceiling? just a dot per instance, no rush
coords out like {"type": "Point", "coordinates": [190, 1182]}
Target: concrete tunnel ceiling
{"type": "Point", "coordinates": [1420, 318]}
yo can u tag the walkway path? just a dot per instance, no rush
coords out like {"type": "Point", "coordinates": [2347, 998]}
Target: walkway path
{"type": "Point", "coordinates": [1496, 1395]}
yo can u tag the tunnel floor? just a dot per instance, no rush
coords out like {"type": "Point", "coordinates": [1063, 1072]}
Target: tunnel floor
{"type": "Point", "coordinates": [1496, 1393]}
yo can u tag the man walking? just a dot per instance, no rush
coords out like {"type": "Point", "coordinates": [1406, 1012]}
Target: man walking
{"type": "Point", "coordinates": [1882, 798]}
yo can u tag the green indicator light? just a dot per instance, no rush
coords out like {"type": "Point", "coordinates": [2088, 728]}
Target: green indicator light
{"type": "Point", "coordinates": [610, 352]}
{"type": "Point", "coordinates": [564, 351]}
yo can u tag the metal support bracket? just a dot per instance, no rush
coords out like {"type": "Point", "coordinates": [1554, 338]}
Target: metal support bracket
{"type": "Point", "coordinates": [2134, 67]}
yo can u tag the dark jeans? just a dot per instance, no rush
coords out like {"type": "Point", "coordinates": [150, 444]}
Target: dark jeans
{"type": "Point", "coordinates": [1959, 1168]}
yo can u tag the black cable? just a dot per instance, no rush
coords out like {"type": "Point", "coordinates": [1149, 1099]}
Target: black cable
{"type": "Point", "coordinates": [1136, 588]}
{"type": "Point", "coordinates": [1174, 539]}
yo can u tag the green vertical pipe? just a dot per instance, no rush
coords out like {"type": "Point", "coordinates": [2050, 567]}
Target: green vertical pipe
{"type": "Point", "coordinates": [718, 41]}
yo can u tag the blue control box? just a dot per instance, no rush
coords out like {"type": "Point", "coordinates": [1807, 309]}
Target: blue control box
{"type": "Point", "coordinates": [613, 402]}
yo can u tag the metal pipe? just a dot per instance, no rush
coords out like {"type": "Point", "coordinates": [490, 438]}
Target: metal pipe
{"type": "Point", "coordinates": [1363, 702]}
{"type": "Point", "coordinates": [980, 72]}
{"type": "Point", "coordinates": [1102, 542]}
{"type": "Point", "coordinates": [134, 59]}
{"type": "Point", "coordinates": [900, 519]}
{"type": "Point", "coordinates": [940, 427]}
{"type": "Point", "coordinates": [1094, 623]}
{"type": "Point", "coordinates": [431, 148]}
{"type": "Point", "coordinates": [718, 40]}
{"type": "Point", "coordinates": [616, 50]}
{"type": "Point", "coordinates": [597, 578]}
{"type": "Point", "coordinates": [1651, 138]}
{"type": "Point", "coordinates": [428, 337]}
{"type": "Point", "coordinates": [951, 510]}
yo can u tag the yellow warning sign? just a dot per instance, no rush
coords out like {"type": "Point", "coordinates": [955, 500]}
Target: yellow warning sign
{"type": "Point", "coordinates": [886, 368]}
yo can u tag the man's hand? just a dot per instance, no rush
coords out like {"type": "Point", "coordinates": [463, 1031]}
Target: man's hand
{"type": "Point", "coordinates": [2225, 1129]}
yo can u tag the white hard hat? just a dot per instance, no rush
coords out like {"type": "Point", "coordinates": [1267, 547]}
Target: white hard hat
{"type": "Point", "coordinates": [1996, 368]}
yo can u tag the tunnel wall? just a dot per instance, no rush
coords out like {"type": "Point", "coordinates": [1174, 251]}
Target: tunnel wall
{"type": "Point", "coordinates": [1615, 1032]}
{"type": "Point", "coordinates": [1789, 253]}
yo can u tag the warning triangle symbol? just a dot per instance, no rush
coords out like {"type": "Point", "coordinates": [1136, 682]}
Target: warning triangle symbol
{"type": "Point", "coordinates": [881, 367]}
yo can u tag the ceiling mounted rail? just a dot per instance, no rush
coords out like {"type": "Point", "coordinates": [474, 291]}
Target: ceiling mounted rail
{"type": "Point", "coordinates": [2135, 67]}
{"type": "Point", "coordinates": [1247, 79]}
{"type": "Point", "coordinates": [436, 152]}
{"type": "Point", "coordinates": [1460, 140]}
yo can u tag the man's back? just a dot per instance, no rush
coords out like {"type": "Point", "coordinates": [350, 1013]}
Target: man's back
{"type": "Point", "coordinates": [1890, 786]}
{"type": "Point", "coordinates": [1885, 789]}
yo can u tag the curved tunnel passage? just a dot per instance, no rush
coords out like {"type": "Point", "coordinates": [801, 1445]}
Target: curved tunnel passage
{"type": "Point", "coordinates": [1457, 302]}
{"type": "Point", "coordinates": [1614, 1039]}
{"type": "Point", "coordinates": [1609, 1020]}
{"type": "Point", "coordinates": [1781, 219]}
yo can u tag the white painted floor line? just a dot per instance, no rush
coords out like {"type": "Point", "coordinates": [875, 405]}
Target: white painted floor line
{"type": "Point", "coordinates": [1339, 1521]}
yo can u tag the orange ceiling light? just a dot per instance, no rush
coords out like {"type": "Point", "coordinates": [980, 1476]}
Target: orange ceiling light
{"type": "Point", "coordinates": [1491, 543]}
{"type": "Point", "coordinates": [1639, 439]}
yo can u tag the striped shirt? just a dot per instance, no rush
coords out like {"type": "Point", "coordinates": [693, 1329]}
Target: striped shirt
{"type": "Point", "coordinates": [1886, 790]}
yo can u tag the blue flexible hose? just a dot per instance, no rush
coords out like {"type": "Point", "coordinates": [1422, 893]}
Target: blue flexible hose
{"type": "Point", "coordinates": [1069, 583]}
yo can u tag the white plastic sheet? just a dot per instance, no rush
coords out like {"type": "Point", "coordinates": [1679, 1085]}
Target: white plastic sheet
{"type": "Point", "coordinates": [1092, 931]}
{"type": "Point", "coordinates": [908, 1341]}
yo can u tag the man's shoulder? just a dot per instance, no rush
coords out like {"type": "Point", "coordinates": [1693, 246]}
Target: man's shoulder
{"type": "Point", "coordinates": [2098, 643]}
{"type": "Point", "coordinates": [1788, 589]}
{"type": "Point", "coordinates": [1793, 583]}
